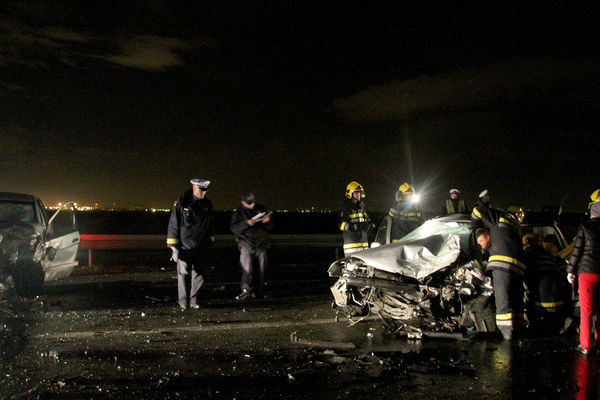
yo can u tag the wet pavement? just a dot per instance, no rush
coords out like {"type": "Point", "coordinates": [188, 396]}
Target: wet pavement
{"type": "Point", "coordinates": [121, 336]}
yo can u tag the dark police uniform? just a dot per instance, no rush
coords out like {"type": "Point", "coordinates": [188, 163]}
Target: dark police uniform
{"type": "Point", "coordinates": [191, 231]}
{"type": "Point", "coordinates": [354, 224]}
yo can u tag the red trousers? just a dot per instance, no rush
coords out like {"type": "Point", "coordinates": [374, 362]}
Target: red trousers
{"type": "Point", "coordinates": [589, 289]}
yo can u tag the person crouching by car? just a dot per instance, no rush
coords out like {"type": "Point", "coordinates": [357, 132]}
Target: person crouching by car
{"type": "Point", "coordinates": [250, 224]}
{"type": "Point", "coordinates": [584, 263]}
{"type": "Point", "coordinates": [189, 236]}
{"type": "Point", "coordinates": [500, 236]}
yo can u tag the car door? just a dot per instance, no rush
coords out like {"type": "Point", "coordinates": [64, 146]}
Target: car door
{"type": "Point", "coordinates": [62, 243]}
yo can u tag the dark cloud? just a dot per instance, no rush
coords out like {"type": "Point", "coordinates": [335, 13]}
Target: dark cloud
{"type": "Point", "coordinates": [469, 88]}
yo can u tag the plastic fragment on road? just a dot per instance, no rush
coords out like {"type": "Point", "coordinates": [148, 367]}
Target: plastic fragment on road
{"type": "Point", "coordinates": [321, 343]}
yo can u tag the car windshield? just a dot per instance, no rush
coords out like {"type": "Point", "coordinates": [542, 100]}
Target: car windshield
{"type": "Point", "coordinates": [441, 227]}
{"type": "Point", "coordinates": [11, 211]}
{"type": "Point", "coordinates": [437, 227]}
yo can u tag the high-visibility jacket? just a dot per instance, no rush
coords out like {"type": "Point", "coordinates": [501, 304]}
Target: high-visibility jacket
{"type": "Point", "coordinates": [354, 224]}
{"type": "Point", "coordinates": [457, 206]}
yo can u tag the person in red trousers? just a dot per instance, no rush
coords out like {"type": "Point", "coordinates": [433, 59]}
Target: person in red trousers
{"type": "Point", "coordinates": [585, 264]}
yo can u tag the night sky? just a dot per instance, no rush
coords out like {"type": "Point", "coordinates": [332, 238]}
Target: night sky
{"type": "Point", "coordinates": [126, 101]}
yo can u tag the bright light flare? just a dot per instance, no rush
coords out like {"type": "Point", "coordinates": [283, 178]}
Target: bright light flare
{"type": "Point", "coordinates": [416, 198]}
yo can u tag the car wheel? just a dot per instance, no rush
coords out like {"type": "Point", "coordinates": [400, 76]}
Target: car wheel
{"type": "Point", "coordinates": [29, 279]}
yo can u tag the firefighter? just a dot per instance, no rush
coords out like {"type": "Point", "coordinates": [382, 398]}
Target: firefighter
{"type": "Point", "coordinates": [406, 215]}
{"type": "Point", "coordinates": [454, 205]}
{"type": "Point", "coordinates": [480, 208]}
{"type": "Point", "coordinates": [354, 221]}
{"type": "Point", "coordinates": [190, 234]}
{"type": "Point", "coordinates": [546, 291]}
{"type": "Point", "coordinates": [501, 236]}
{"type": "Point", "coordinates": [584, 263]}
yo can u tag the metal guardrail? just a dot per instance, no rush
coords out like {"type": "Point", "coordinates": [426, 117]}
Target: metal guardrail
{"type": "Point", "coordinates": [92, 242]}
{"type": "Point", "coordinates": [108, 242]}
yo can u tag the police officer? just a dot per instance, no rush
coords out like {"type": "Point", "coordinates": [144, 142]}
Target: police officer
{"type": "Point", "coordinates": [251, 223]}
{"type": "Point", "coordinates": [406, 215]}
{"type": "Point", "coordinates": [354, 221]}
{"type": "Point", "coordinates": [454, 205]}
{"type": "Point", "coordinates": [481, 207]}
{"type": "Point", "coordinates": [501, 237]}
{"type": "Point", "coordinates": [190, 234]}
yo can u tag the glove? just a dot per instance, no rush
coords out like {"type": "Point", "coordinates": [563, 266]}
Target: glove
{"type": "Point", "coordinates": [571, 277]}
{"type": "Point", "coordinates": [175, 255]}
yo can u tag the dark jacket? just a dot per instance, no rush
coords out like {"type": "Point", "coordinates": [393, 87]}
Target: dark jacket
{"type": "Point", "coordinates": [585, 258]}
{"type": "Point", "coordinates": [354, 224]}
{"type": "Point", "coordinates": [480, 210]}
{"type": "Point", "coordinates": [506, 250]}
{"type": "Point", "coordinates": [406, 217]}
{"type": "Point", "coordinates": [191, 223]}
{"type": "Point", "coordinates": [257, 235]}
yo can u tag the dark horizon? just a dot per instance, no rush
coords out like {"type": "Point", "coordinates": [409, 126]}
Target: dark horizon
{"type": "Point", "coordinates": [116, 102]}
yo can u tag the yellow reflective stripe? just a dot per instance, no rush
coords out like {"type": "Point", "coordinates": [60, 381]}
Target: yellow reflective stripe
{"type": "Point", "coordinates": [343, 226]}
{"type": "Point", "coordinates": [550, 304]}
{"type": "Point", "coordinates": [509, 260]}
{"type": "Point", "coordinates": [357, 215]}
{"type": "Point", "coordinates": [405, 214]}
{"type": "Point", "coordinates": [391, 214]}
{"type": "Point", "coordinates": [477, 213]}
{"type": "Point", "coordinates": [172, 241]}
{"type": "Point", "coordinates": [354, 245]}
{"type": "Point", "coordinates": [508, 316]}
{"type": "Point", "coordinates": [509, 222]}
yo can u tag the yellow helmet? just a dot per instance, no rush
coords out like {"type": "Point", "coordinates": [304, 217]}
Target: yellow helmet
{"type": "Point", "coordinates": [354, 187]}
{"type": "Point", "coordinates": [595, 196]}
{"type": "Point", "coordinates": [517, 212]}
{"type": "Point", "coordinates": [406, 188]}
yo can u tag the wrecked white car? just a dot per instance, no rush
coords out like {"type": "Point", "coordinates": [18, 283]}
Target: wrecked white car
{"type": "Point", "coordinates": [430, 282]}
{"type": "Point", "coordinates": [34, 248]}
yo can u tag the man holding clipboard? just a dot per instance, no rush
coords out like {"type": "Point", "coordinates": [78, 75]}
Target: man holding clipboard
{"type": "Point", "coordinates": [251, 223]}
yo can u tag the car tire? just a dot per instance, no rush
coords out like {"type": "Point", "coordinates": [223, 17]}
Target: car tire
{"type": "Point", "coordinates": [29, 279]}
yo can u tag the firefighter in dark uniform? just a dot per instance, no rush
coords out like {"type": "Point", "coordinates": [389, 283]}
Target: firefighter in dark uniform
{"type": "Point", "coordinates": [454, 205]}
{"type": "Point", "coordinates": [354, 221]}
{"type": "Point", "coordinates": [251, 223]}
{"type": "Point", "coordinates": [501, 237]}
{"type": "Point", "coordinates": [190, 235]}
{"type": "Point", "coordinates": [546, 286]}
{"type": "Point", "coordinates": [406, 215]}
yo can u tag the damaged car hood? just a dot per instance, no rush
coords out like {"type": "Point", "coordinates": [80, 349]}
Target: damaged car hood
{"type": "Point", "coordinates": [416, 258]}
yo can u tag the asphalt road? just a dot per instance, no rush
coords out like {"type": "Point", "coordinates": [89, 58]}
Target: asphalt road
{"type": "Point", "coordinates": [120, 336]}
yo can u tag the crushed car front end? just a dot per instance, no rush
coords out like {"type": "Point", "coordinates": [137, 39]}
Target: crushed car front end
{"type": "Point", "coordinates": [425, 283]}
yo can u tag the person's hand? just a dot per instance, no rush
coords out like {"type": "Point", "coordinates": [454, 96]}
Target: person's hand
{"type": "Point", "coordinates": [175, 255]}
{"type": "Point", "coordinates": [251, 222]}
{"type": "Point", "coordinates": [266, 219]}
{"type": "Point", "coordinates": [571, 277]}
